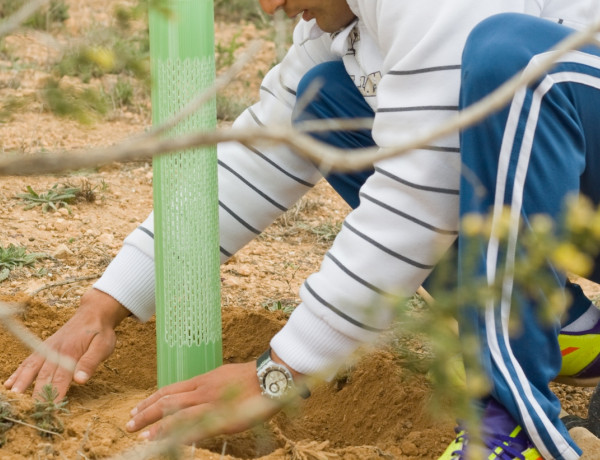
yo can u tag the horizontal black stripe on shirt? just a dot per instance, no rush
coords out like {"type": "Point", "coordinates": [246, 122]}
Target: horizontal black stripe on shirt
{"type": "Point", "coordinates": [264, 195]}
{"type": "Point", "coordinates": [255, 117]}
{"type": "Point", "coordinates": [355, 277]}
{"type": "Point", "coordinates": [224, 252]}
{"type": "Point", "coordinates": [239, 219]}
{"type": "Point", "coordinates": [447, 191]}
{"type": "Point", "coordinates": [287, 88]}
{"type": "Point", "coordinates": [381, 247]}
{"type": "Point", "coordinates": [440, 148]}
{"type": "Point", "coordinates": [276, 166]}
{"type": "Point", "coordinates": [267, 90]}
{"type": "Point", "coordinates": [146, 231]}
{"type": "Point", "coordinates": [442, 68]}
{"type": "Point", "coordinates": [339, 312]}
{"type": "Point", "coordinates": [420, 108]}
{"type": "Point", "coordinates": [407, 216]}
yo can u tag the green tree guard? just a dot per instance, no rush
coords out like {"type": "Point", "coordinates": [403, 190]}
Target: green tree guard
{"type": "Point", "coordinates": [188, 306]}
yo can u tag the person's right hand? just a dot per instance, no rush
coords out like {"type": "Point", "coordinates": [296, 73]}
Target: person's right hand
{"type": "Point", "coordinates": [88, 338]}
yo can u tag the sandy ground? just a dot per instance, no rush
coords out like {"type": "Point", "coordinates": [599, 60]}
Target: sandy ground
{"type": "Point", "coordinates": [377, 409]}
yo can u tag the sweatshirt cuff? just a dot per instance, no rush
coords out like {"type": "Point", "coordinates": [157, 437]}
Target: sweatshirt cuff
{"type": "Point", "coordinates": [312, 347]}
{"type": "Point", "coordinates": [129, 279]}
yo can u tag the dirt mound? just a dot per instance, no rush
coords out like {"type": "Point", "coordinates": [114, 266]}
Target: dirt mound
{"type": "Point", "coordinates": [372, 410]}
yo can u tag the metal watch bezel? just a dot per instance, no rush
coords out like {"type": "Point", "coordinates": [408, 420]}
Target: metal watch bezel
{"type": "Point", "coordinates": [266, 368]}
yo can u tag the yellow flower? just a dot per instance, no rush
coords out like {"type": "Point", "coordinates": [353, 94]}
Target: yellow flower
{"type": "Point", "coordinates": [472, 224]}
{"type": "Point", "coordinates": [568, 258]}
{"type": "Point", "coordinates": [103, 57]}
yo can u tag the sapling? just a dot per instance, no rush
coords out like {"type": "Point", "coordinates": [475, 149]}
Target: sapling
{"type": "Point", "coordinates": [46, 411]}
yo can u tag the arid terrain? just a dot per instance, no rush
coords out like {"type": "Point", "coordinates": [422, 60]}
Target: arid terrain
{"type": "Point", "coordinates": [376, 410]}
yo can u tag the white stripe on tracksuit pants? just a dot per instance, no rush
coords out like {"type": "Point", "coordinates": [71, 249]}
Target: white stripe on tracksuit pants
{"type": "Point", "coordinates": [533, 154]}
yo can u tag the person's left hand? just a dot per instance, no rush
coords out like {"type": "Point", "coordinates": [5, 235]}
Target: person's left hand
{"type": "Point", "coordinates": [229, 388]}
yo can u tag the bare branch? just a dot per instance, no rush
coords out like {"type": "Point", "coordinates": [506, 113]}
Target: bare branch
{"type": "Point", "coordinates": [15, 20]}
{"type": "Point", "coordinates": [62, 283]}
{"type": "Point", "coordinates": [37, 428]}
{"type": "Point", "coordinates": [322, 154]}
{"type": "Point", "coordinates": [220, 82]}
{"type": "Point", "coordinates": [30, 340]}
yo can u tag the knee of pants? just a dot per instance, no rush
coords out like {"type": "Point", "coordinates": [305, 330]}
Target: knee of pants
{"type": "Point", "coordinates": [334, 85]}
{"type": "Point", "coordinates": [325, 74]}
{"type": "Point", "coordinates": [500, 47]}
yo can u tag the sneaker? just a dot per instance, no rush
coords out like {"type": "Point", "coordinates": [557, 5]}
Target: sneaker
{"type": "Point", "coordinates": [581, 357]}
{"type": "Point", "coordinates": [580, 360]}
{"type": "Point", "coordinates": [503, 439]}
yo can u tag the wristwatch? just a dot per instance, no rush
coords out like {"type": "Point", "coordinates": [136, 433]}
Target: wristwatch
{"type": "Point", "coordinates": [276, 380]}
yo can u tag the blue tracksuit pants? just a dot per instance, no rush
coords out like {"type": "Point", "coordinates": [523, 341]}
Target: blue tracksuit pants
{"type": "Point", "coordinates": [530, 156]}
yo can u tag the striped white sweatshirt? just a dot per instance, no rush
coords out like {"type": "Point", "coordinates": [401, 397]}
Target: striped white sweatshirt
{"type": "Point", "coordinates": [404, 56]}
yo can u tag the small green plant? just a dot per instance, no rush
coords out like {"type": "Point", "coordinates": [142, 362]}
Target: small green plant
{"type": "Point", "coordinates": [240, 10]}
{"type": "Point", "coordinates": [286, 306]}
{"type": "Point", "coordinates": [107, 52]}
{"type": "Point", "coordinates": [16, 256]}
{"type": "Point", "coordinates": [84, 105]}
{"type": "Point", "coordinates": [6, 419]}
{"type": "Point", "coordinates": [55, 198]}
{"type": "Point", "coordinates": [46, 411]}
{"type": "Point", "coordinates": [122, 93]}
{"type": "Point", "coordinates": [226, 53]}
{"type": "Point", "coordinates": [228, 108]}
{"type": "Point", "coordinates": [56, 12]}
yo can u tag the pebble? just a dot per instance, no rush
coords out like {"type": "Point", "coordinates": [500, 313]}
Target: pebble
{"type": "Point", "coordinates": [62, 252]}
{"type": "Point", "coordinates": [106, 238]}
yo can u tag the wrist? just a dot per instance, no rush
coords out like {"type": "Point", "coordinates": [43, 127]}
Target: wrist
{"type": "Point", "coordinates": [103, 306]}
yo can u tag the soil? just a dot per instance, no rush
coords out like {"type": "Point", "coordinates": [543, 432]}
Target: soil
{"type": "Point", "coordinates": [378, 409]}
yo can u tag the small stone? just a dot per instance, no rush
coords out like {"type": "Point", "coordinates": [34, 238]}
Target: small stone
{"type": "Point", "coordinates": [62, 251]}
{"type": "Point", "coordinates": [106, 238]}
{"type": "Point", "coordinates": [408, 448]}
{"type": "Point", "coordinates": [63, 211]}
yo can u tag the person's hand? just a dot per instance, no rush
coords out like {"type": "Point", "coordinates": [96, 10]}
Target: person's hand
{"type": "Point", "coordinates": [228, 397]}
{"type": "Point", "coordinates": [88, 338]}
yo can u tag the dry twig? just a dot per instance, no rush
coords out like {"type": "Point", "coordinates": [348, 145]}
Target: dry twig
{"type": "Point", "coordinates": [322, 154]}
{"type": "Point", "coordinates": [15, 20]}
{"type": "Point", "coordinates": [62, 283]}
{"type": "Point", "coordinates": [32, 341]}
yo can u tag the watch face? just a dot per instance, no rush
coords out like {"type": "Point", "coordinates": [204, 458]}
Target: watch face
{"type": "Point", "coordinates": [276, 382]}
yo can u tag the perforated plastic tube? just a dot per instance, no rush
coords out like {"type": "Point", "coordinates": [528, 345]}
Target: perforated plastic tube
{"type": "Point", "coordinates": [188, 315]}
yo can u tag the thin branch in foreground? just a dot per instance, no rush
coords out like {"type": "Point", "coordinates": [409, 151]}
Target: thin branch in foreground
{"type": "Point", "coordinates": [31, 340]}
{"type": "Point", "coordinates": [322, 154]}
{"type": "Point", "coordinates": [37, 428]}
{"type": "Point", "coordinates": [14, 21]}
{"type": "Point", "coordinates": [62, 283]}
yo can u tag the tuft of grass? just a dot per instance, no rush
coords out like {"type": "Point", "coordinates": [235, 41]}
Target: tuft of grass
{"type": "Point", "coordinates": [84, 105]}
{"type": "Point", "coordinates": [56, 12]}
{"type": "Point", "coordinates": [225, 53]}
{"type": "Point", "coordinates": [47, 411]}
{"type": "Point", "coordinates": [61, 196]}
{"type": "Point", "coordinates": [16, 256]}
{"type": "Point", "coordinates": [240, 10]}
{"type": "Point", "coordinates": [11, 105]}
{"type": "Point", "coordinates": [54, 199]}
{"type": "Point", "coordinates": [122, 93]}
{"type": "Point", "coordinates": [229, 108]}
{"type": "Point", "coordinates": [108, 51]}
{"type": "Point", "coordinates": [6, 417]}
{"type": "Point", "coordinates": [45, 18]}
{"type": "Point", "coordinates": [324, 232]}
